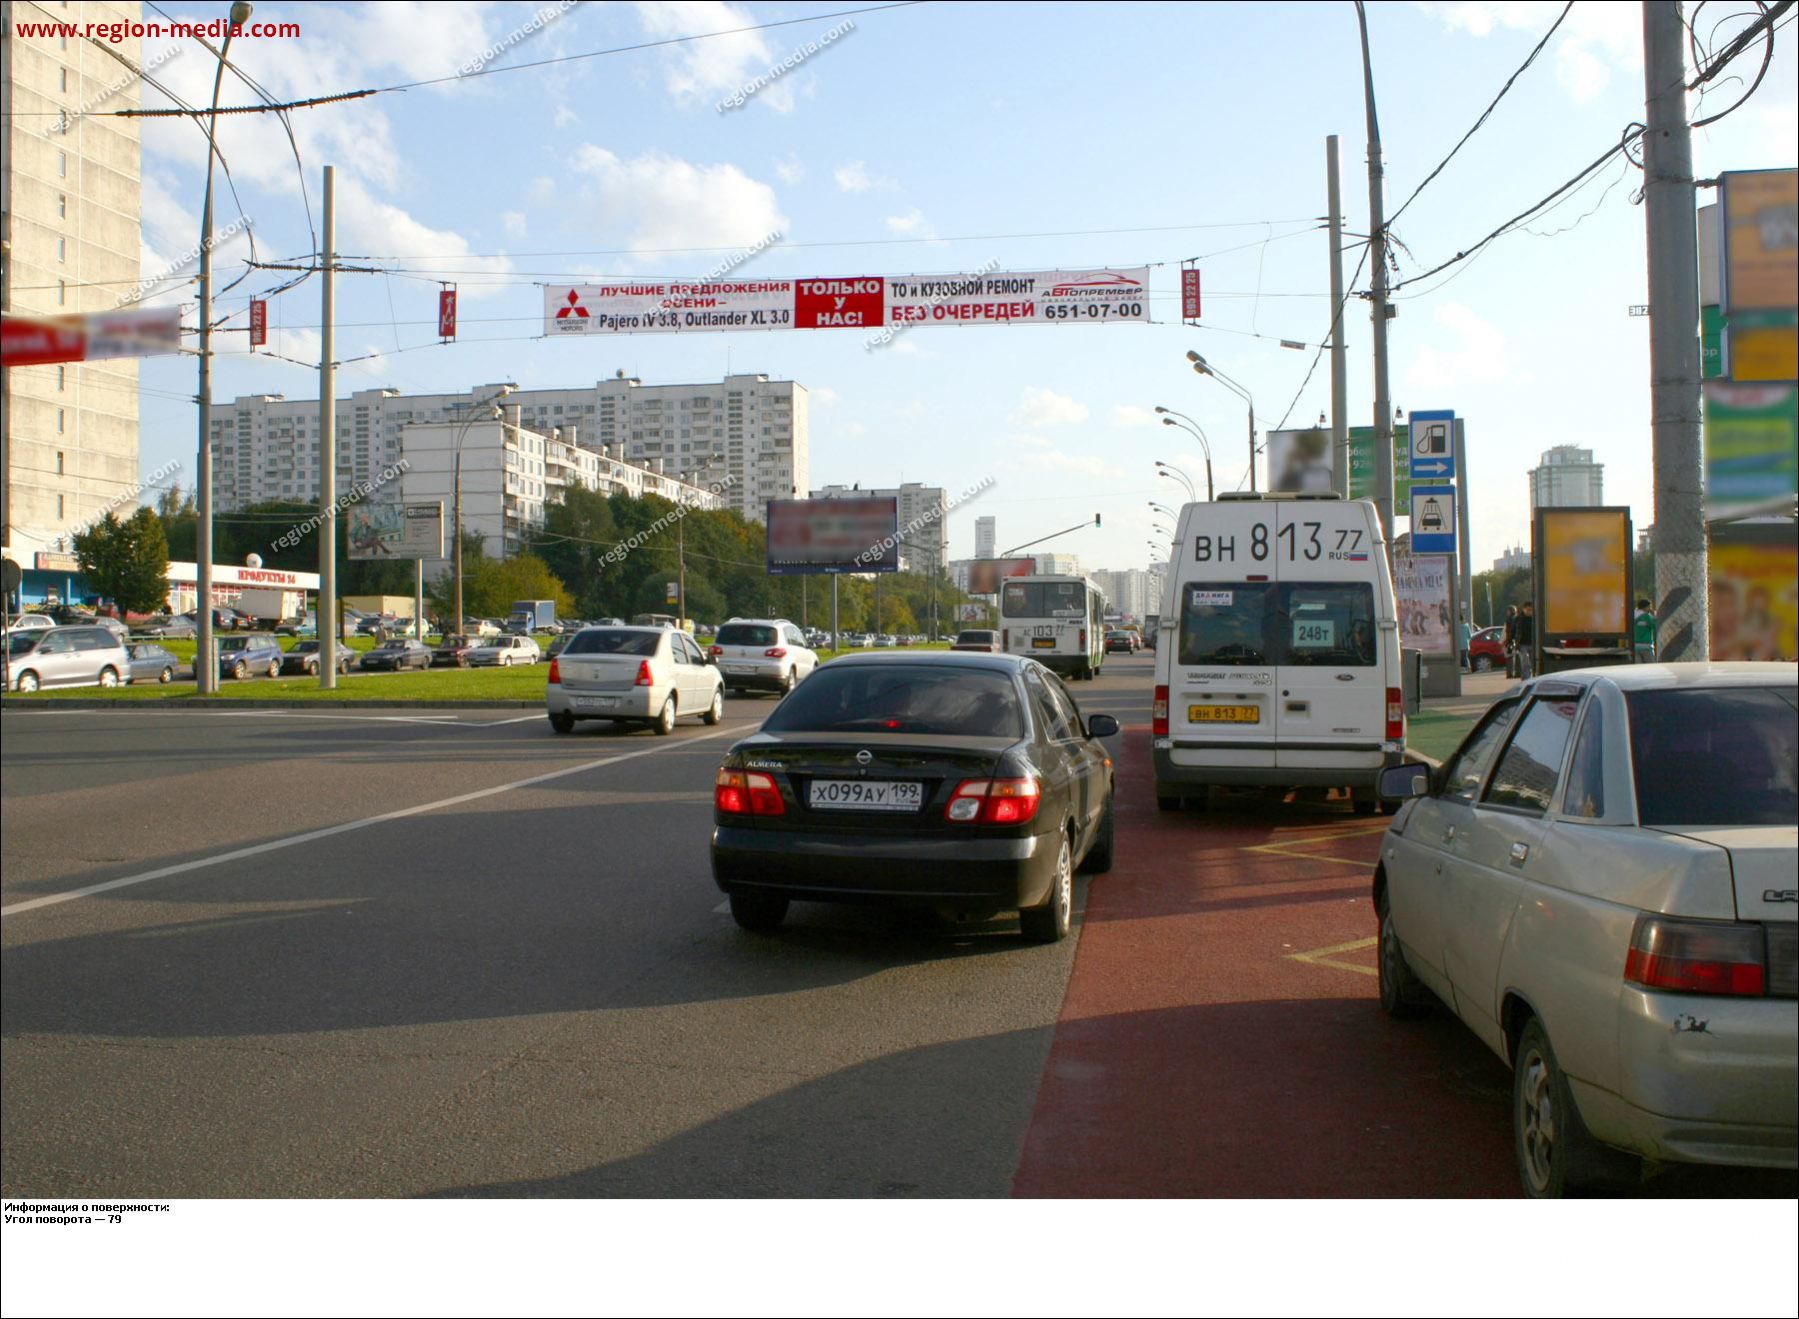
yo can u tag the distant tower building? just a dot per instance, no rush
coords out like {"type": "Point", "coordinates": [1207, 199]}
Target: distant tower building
{"type": "Point", "coordinates": [984, 538]}
{"type": "Point", "coordinates": [1567, 478]}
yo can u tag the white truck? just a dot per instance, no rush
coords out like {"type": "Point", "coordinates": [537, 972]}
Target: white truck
{"type": "Point", "coordinates": [270, 606]}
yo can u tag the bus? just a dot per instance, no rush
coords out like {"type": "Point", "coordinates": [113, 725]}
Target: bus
{"type": "Point", "coordinates": [1055, 619]}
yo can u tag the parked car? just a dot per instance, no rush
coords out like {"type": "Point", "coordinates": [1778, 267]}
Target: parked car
{"type": "Point", "coordinates": [150, 663]}
{"type": "Point", "coordinates": [397, 654]}
{"type": "Point", "coordinates": [78, 656]}
{"type": "Point", "coordinates": [651, 674]}
{"type": "Point", "coordinates": [978, 640]}
{"type": "Point", "coordinates": [251, 652]}
{"type": "Point", "coordinates": [558, 644]}
{"type": "Point", "coordinates": [29, 622]}
{"type": "Point", "coordinates": [304, 659]}
{"type": "Point", "coordinates": [766, 654]}
{"type": "Point", "coordinates": [453, 652]}
{"type": "Point", "coordinates": [504, 652]}
{"type": "Point", "coordinates": [1599, 882]}
{"type": "Point", "coordinates": [1486, 649]}
{"type": "Point", "coordinates": [930, 779]}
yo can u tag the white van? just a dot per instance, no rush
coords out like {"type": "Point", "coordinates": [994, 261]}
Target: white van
{"type": "Point", "coordinates": [1278, 659]}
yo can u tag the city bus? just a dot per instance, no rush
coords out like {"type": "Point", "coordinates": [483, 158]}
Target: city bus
{"type": "Point", "coordinates": [1055, 619]}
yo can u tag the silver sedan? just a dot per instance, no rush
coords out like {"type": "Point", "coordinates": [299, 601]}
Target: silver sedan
{"type": "Point", "coordinates": [1600, 883]}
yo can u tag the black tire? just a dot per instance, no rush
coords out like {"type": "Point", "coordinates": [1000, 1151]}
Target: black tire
{"type": "Point", "coordinates": [1099, 857]}
{"type": "Point", "coordinates": [166, 676]}
{"type": "Point", "coordinates": [664, 723]}
{"type": "Point", "coordinates": [28, 682]}
{"type": "Point", "coordinates": [1483, 663]}
{"type": "Point", "coordinates": [240, 671]}
{"type": "Point", "coordinates": [563, 722]}
{"type": "Point", "coordinates": [1403, 996]}
{"type": "Point", "coordinates": [1169, 803]}
{"type": "Point", "coordinates": [1051, 922]}
{"type": "Point", "coordinates": [760, 913]}
{"type": "Point", "coordinates": [788, 683]}
{"type": "Point", "coordinates": [1363, 805]}
{"type": "Point", "coordinates": [274, 668]}
{"type": "Point", "coordinates": [715, 712]}
{"type": "Point", "coordinates": [1556, 1155]}
{"type": "Point", "coordinates": [312, 670]}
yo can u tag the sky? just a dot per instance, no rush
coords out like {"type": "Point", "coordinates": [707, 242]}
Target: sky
{"type": "Point", "coordinates": [948, 137]}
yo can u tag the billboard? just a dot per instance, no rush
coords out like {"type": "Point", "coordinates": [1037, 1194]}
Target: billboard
{"type": "Point", "coordinates": [985, 575]}
{"type": "Point", "coordinates": [1581, 558]}
{"type": "Point", "coordinates": [1761, 239]}
{"type": "Point", "coordinates": [1361, 465]}
{"type": "Point", "coordinates": [1751, 445]}
{"type": "Point", "coordinates": [1755, 592]}
{"type": "Point", "coordinates": [1042, 297]}
{"type": "Point", "coordinates": [1299, 461]}
{"type": "Point", "coordinates": [851, 535]}
{"type": "Point", "coordinates": [1421, 591]}
{"type": "Point", "coordinates": [40, 340]}
{"type": "Point", "coordinates": [394, 531]}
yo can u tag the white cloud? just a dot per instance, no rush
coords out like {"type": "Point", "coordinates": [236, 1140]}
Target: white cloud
{"type": "Point", "coordinates": [565, 116]}
{"type": "Point", "coordinates": [1132, 414]}
{"type": "Point", "coordinates": [791, 169]}
{"type": "Point", "coordinates": [1468, 351]}
{"type": "Point", "coordinates": [1030, 442]}
{"type": "Point", "coordinates": [542, 191]}
{"type": "Point", "coordinates": [708, 71]}
{"type": "Point", "coordinates": [853, 430]}
{"type": "Point", "coordinates": [1595, 42]}
{"type": "Point", "coordinates": [671, 203]}
{"type": "Point", "coordinates": [514, 221]}
{"type": "Point", "coordinates": [853, 176]}
{"type": "Point", "coordinates": [1085, 464]}
{"type": "Point", "coordinates": [910, 347]}
{"type": "Point", "coordinates": [826, 397]}
{"type": "Point", "coordinates": [368, 224]}
{"type": "Point", "coordinates": [1045, 407]}
{"type": "Point", "coordinates": [911, 225]}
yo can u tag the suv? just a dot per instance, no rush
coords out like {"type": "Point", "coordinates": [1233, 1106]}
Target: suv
{"type": "Point", "coordinates": [251, 652]}
{"type": "Point", "coordinates": [80, 656]}
{"type": "Point", "coordinates": [765, 653]}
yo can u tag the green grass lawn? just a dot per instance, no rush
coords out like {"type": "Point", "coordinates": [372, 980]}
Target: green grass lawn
{"type": "Point", "coordinates": [522, 683]}
{"type": "Point", "coordinates": [1437, 733]}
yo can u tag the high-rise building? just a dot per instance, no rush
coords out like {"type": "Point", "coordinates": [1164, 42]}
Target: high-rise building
{"type": "Point", "coordinates": [70, 186]}
{"type": "Point", "coordinates": [1567, 478]}
{"type": "Point", "coordinates": [1516, 557]}
{"type": "Point", "coordinates": [1065, 565]}
{"type": "Point", "coordinates": [747, 436]}
{"type": "Point", "coordinates": [1132, 591]}
{"type": "Point", "coordinates": [923, 522]}
{"type": "Point", "coordinates": [985, 539]}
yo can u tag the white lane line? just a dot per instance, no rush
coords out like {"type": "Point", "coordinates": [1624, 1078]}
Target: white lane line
{"type": "Point", "coordinates": [51, 900]}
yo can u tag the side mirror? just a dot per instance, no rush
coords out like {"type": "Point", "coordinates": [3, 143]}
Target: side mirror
{"type": "Point", "coordinates": [1402, 782]}
{"type": "Point", "coordinates": [1102, 725]}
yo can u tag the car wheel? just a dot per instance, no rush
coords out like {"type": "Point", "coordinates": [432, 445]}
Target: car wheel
{"type": "Point", "coordinates": [1363, 805]}
{"type": "Point", "coordinates": [1099, 857]}
{"type": "Point", "coordinates": [275, 669]}
{"type": "Point", "coordinates": [665, 722]}
{"type": "Point", "coordinates": [1051, 922]}
{"type": "Point", "coordinates": [109, 677]}
{"type": "Point", "coordinates": [28, 681]}
{"type": "Point", "coordinates": [239, 671]}
{"type": "Point", "coordinates": [563, 722]}
{"type": "Point", "coordinates": [1556, 1154]}
{"type": "Point", "coordinates": [1402, 995]}
{"type": "Point", "coordinates": [166, 676]}
{"type": "Point", "coordinates": [1483, 664]}
{"type": "Point", "coordinates": [789, 682]}
{"type": "Point", "coordinates": [716, 711]}
{"type": "Point", "coordinates": [759, 912]}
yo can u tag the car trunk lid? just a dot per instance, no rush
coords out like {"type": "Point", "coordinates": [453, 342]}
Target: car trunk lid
{"type": "Point", "coordinates": [936, 764]}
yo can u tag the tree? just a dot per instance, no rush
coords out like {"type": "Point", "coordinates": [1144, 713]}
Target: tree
{"type": "Point", "coordinates": [126, 562]}
{"type": "Point", "coordinates": [489, 586]}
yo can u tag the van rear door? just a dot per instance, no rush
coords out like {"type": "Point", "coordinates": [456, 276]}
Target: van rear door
{"type": "Point", "coordinates": [1331, 709]}
{"type": "Point", "coordinates": [1221, 693]}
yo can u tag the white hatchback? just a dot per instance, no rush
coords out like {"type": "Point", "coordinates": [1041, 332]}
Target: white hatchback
{"type": "Point", "coordinates": [769, 654]}
{"type": "Point", "coordinates": [647, 674]}
{"type": "Point", "coordinates": [504, 652]}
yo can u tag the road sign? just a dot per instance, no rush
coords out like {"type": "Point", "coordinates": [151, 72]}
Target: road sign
{"type": "Point", "coordinates": [1433, 519]}
{"type": "Point", "coordinates": [1432, 446]}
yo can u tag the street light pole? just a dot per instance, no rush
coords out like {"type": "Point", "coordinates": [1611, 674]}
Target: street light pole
{"type": "Point", "coordinates": [456, 517]}
{"type": "Point", "coordinates": [1205, 368]}
{"type": "Point", "coordinates": [1205, 445]}
{"type": "Point", "coordinates": [1176, 474]}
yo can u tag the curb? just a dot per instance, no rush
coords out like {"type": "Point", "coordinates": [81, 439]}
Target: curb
{"type": "Point", "coordinates": [232, 703]}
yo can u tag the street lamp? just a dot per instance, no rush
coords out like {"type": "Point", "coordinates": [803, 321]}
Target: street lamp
{"type": "Point", "coordinates": [1205, 446]}
{"type": "Point", "coordinates": [206, 669]}
{"type": "Point", "coordinates": [1163, 508]}
{"type": "Point", "coordinates": [1174, 473]}
{"type": "Point", "coordinates": [1205, 368]}
{"type": "Point", "coordinates": [494, 414]}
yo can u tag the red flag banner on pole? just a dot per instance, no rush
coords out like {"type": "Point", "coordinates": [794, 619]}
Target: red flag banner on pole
{"type": "Point", "coordinates": [259, 322]}
{"type": "Point", "coordinates": [1190, 293]}
{"type": "Point", "coordinates": [446, 314]}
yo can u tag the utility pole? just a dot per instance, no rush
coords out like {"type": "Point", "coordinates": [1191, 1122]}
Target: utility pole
{"type": "Point", "coordinates": [1377, 254]}
{"type": "Point", "coordinates": [327, 615]}
{"type": "Point", "coordinates": [1683, 626]}
{"type": "Point", "coordinates": [836, 641]}
{"type": "Point", "coordinates": [1339, 351]}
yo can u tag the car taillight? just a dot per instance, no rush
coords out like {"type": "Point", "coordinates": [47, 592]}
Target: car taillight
{"type": "Point", "coordinates": [716, 651]}
{"type": "Point", "coordinates": [1083, 640]}
{"type": "Point", "coordinates": [644, 677]}
{"type": "Point", "coordinates": [775, 652]}
{"type": "Point", "coordinates": [1158, 714]}
{"type": "Point", "coordinates": [555, 672]}
{"type": "Point", "coordinates": [994, 801]}
{"type": "Point", "coordinates": [1395, 715]}
{"type": "Point", "coordinates": [730, 794]}
{"type": "Point", "coordinates": [1697, 957]}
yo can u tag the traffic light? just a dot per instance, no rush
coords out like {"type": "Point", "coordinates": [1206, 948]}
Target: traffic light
{"type": "Point", "coordinates": [1096, 519]}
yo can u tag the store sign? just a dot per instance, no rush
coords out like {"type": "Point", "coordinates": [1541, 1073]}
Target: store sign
{"type": "Point", "coordinates": [1761, 238]}
{"type": "Point", "coordinates": [50, 561]}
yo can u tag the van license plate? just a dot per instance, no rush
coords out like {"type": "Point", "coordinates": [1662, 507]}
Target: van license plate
{"type": "Point", "coordinates": [1224, 714]}
{"type": "Point", "coordinates": [1043, 643]}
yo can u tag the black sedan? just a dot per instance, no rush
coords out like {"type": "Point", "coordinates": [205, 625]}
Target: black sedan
{"type": "Point", "coordinates": [401, 653]}
{"type": "Point", "coordinates": [304, 659]}
{"type": "Point", "coordinates": [957, 781]}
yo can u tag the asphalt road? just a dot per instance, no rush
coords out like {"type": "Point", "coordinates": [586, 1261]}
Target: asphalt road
{"type": "Point", "coordinates": [269, 953]}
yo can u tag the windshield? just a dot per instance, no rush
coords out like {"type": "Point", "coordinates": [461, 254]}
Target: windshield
{"type": "Point", "coordinates": [974, 638]}
{"type": "Point", "coordinates": [613, 641]}
{"type": "Point", "coordinates": [230, 644]}
{"type": "Point", "coordinates": [1252, 624]}
{"type": "Point", "coordinates": [934, 700]}
{"type": "Point", "coordinates": [1044, 600]}
{"type": "Point", "coordinates": [746, 634]}
{"type": "Point", "coordinates": [1715, 756]}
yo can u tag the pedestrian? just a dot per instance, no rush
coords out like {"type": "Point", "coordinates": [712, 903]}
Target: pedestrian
{"type": "Point", "coordinates": [1644, 631]}
{"type": "Point", "coordinates": [1510, 639]}
{"type": "Point", "coordinates": [1465, 635]}
{"type": "Point", "coordinates": [1526, 635]}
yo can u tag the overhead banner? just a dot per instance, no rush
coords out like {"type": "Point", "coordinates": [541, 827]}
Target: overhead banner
{"type": "Point", "coordinates": [37, 341]}
{"type": "Point", "coordinates": [1055, 297]}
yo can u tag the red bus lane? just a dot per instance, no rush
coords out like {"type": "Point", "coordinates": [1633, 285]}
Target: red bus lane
{"type": "Point", "coordinates": [1222, 1035]}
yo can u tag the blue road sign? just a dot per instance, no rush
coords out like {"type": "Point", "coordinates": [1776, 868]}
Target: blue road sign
{"type": "Point", "coordinates": [1433, 519]}
{"type": "Point", "coordinates": [1432, 446]}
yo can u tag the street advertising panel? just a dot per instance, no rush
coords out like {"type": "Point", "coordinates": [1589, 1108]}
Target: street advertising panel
{"type": "Point", "coordinates": [1421, 589]}
{"type": "Point", "coordinates": [395, 531]}
{"type": "Point", "coordinates": [853, 535]}
{"type": "Point", "coordinates": [1755, 592]}
{"type": "Point", "coordinates": [1041, 297]}
{"type": "Point", "coordinates": [40, 340]}
{"type": "Point", "coordinates": [1761, 239]}
{"type": "Point", "coordinates": [1751, 447]}
{"type": "Point", "coordinates": [985, 575]}
{"type": "Point", "coordinates": [1581, 563]}
{"type": "Point", "coordinates": [1361, 466]}
{"type": "Point", "coordinates": [1299, 462]}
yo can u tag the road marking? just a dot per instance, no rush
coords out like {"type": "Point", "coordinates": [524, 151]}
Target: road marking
{"type": "Point", "coordinates": [1286, 847]}
{"type": "Point", "coordinates": [279, 844]}
{"type": "Point", "coordinates": [1327, 956]}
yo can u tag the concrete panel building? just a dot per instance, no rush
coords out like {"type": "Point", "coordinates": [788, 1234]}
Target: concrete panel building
{"type": "Point", "coordinates": [1567, 478]}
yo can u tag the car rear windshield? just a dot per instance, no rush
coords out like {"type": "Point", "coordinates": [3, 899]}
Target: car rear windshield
{"type": "Point", "coordinates": [745, 634]}
{"type": "Point", "coordinates": [610, 641]}
{"type": "Point", "coordinates": [974, 638]}
{"type": "Point", "coordinates": [1043, 600]}
{"type": "Point", "coordinates": [1715, 756]}
{"type": "Point", "coordinates": [928, 700]}
{"type": "Point", "coordinates": [1254, 624]}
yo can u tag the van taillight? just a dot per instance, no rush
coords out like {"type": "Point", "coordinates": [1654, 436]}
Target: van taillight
{"type": "Point", "coordinates": [1083, 641]}
{"type": "Point", "coordinates": [644, 677]}
{"type": "Point", "coordinates": [555, 673]}
{"type": "Point", "coordinates": [1395, 715]}
{"type": "Point", "coordinates": [1158, 714]}
{"type": "Point", "coordinates": [1697, 957]}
